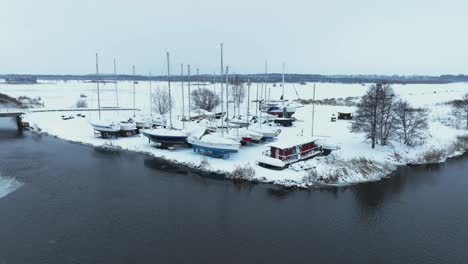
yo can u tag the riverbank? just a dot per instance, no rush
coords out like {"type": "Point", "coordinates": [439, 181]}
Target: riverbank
{"type": "Point", "coordinates": [354, 162]}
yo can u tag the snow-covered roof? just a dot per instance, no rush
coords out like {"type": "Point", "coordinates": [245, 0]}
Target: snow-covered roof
{"type": "Point", "coordinates": [291, 142]}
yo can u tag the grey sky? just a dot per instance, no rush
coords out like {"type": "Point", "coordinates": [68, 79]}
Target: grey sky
{"type": "Point", "coordinates": [326, 36]}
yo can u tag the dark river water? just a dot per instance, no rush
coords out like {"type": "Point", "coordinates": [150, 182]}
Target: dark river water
{"type": "Point", "coordinates": [81, 205]}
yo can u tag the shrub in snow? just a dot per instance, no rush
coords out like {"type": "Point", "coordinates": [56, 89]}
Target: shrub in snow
{"type": "Point", "coordinates": [460, 110]}
{"type": "Point", "coordinates": [161, 101]}
{"type": "Point", "coordinates": [81, 103]}
{"type": "Point", "coordinates": [311, 177]}
{"type": "Point", "coordinates": [204, 164]}
{"type": "Point", "coordinates": [109, 146]}
{"type": "Point", "coordinates": [240, 172]}
{"type": "Point", "coordinates": [205, 99]}
{"type": "Point", "coordinates": [432, 156]}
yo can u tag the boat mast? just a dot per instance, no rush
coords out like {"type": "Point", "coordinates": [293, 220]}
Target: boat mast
{"type": "Point", "coordinates": [169, 87]}
{"type": "Point", "coordinates": [313, 111]}
{"type": "Point", "coordinates": [133, 70]}
{"type": "Point", "coordinates": [116, 89]}
{"type": "Point", "coordinates": [282, 96]}
{"type": "Point", "coordinates": [188, 80]}
{"type": "Point", "coordinates": [265, 81]}
{"type": "Point", "coordinates": [198, 80]}
{"type": "Point", "coordinates": [222, 91]}
{"type": "Point", "coordinates": [183, 102]}
{"type": "Point", "coordinates": [97, 84]}
{"type": "Point", "coordinates": [256, 104]}
{"type": "Point", "coordinates": [248, 103]}
{"type": "Point", "coordinates": [151, 97]}
{"type": "Point", "coordinates": [227, 99]}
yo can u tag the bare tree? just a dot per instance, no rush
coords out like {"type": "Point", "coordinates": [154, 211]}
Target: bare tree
{"type": "Point", "coordinates": [81, 103]}
{"type": "Point", "coordinates": [365, 118]}
{"type": "Point", "coordinates": [386, 115]}
{"type": "Point", "coordinates": [205, 99]}
{"type": "Point", "coordinates": [460, 109]}
{"type": "Point", "coordinates": [375, 114]}
{"type": "Point", "coordinates": [411, 123]}
{"type": "Point", "coordinates": [238, 92]}
{"type": "Point", "coordinates": [161, 101]}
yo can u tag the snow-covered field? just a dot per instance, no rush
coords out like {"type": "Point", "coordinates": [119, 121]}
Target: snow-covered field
{"type": "Point", "coordinates": [341, 164]}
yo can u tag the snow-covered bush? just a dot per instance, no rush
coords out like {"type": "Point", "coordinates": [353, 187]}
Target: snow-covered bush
{"type": "Point", "coordinates": [204, 164]}
{"type": "Point", "coordinates": [109, 146]}
{"type": "Point", "coordinates": [240, 172]}
{"type": "Point", "coordinates": [433, 155]}
{"type": "Point", "coordinates": [81, 103]}
{"type": "Point", "coordinates": [311, 177]}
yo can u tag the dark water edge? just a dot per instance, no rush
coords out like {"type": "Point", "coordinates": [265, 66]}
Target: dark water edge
{"type": "Point", "coordinates": [82, 205]}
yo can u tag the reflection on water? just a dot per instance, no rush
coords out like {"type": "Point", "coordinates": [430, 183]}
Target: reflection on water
{"type": "Point", "coordinates": [121, 207]}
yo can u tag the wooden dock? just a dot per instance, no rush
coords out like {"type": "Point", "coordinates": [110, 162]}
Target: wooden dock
{"type": "Point", "coordinates": [14, 113]}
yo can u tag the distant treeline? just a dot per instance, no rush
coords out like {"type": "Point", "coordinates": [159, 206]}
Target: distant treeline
{"type": "Point", "coordinates": [270, 78]}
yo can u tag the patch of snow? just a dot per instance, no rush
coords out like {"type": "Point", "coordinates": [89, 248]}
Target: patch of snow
{"type": "Point", "coordinates": [8, 185]}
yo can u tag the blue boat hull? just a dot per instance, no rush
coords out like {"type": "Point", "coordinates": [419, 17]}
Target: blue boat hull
{"type": "Point", "coordinates": [214, 150]}
{"type": "Point", "coordinates": [167, 139]}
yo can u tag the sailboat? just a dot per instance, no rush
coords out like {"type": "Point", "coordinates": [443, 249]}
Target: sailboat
{"type": "Point", "coordinates": [212, 144]}
{"type": "Point", "coordinates": [105, 127]}
{"type": "Point", "coordinates": [266, 131]}
{"type": "Point", "coordinates": [167, 137]}
{"type": "Point", "coordinates": [281, 110]}
{"type": "Point", "coordinates": [129, 126]}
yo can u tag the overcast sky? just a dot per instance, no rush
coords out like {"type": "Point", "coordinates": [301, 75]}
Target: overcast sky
{"type": "Point", "coordinates": [310, 36]}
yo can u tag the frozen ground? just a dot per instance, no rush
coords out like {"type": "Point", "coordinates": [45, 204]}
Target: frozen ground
{"type": "Point", "coordinates": [342, 166]}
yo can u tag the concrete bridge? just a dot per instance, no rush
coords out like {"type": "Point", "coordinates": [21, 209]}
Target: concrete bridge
{"type": "Point", "coordinates": [15, 113]}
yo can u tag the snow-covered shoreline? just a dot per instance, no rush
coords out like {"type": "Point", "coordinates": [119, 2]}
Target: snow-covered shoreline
{"type": "Point", "coordinates": [337, 169]}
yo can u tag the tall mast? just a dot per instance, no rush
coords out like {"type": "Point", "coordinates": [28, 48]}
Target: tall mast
{"type": "Point", "coordinates": [248, 103]}
{"type": "Point", "coordinates": [116, 89]}
{"type": "Point", "coordinates": [256, 104]}
{"type": "Point", "coordinates": [134, 80]}
{"type": "Point", "coordinates": [97, 84]}
{"type": "Point", "coordinates": [282, 96]}
{"type": "Point", "coordinates": [189, 81]}
{"type": "Point", "coordinates": [151, 96]}
{"type": "Point", "coordinates": [265, 82]}
{"type": "Point", "coordinates": [169, 87]}
{"type": "Point", "coordinates": [227, 98]}
{"type": "Point", "coordinates": [198, 79]}
{"type": "Point", "coordinates": [313, 111]}
{"type": "Point", "coordinates": [183, 102]}
{"type": "Point", "coordinates": [222, 90]}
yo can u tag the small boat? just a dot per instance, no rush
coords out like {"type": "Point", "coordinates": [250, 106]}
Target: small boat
{"type": "Point", "coordinates": [106, 128]}
{"type": "Point", "coordinates": [284, 121]}
{"type": "Point", "coordinates": [212, 144]}
{"type": "Point", "coordinates": [281, 111]}
{"type": "Point", "coordinates": [201, 114]}
{"type": "Point", "coordinates": [266, 131]}
{"type": "Point", "coordinates": [128, 127]}
{"type": "Point", "coordinates": [67, 117]}
{"type": "Point", "coordinates": [239, 122]}
{"type": "Point", "coordinates": [166, 137]}
{"type": "Point", "coordinates": [282, 154]}
{"type": "Point", "coordinates": [219, 115]}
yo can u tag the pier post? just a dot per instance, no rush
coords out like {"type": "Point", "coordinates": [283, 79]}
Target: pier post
{"type": "Point", "coordinates": [19, 123]}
